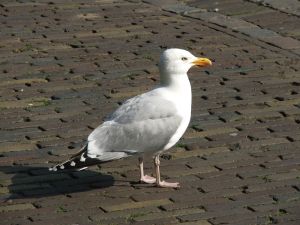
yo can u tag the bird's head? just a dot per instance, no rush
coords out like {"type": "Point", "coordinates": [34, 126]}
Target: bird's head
{"type": "Point", "coordinates": [178, 61]}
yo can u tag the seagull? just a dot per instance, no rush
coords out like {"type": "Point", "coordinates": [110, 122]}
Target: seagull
{"type": "Point", "coordinates": [152, 122]}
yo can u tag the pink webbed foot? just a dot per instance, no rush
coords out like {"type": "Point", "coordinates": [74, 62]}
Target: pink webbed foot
{"type": "Point", "coordinates": [168, 184]}
{"type": "Point", "coordinates": [148, 179]}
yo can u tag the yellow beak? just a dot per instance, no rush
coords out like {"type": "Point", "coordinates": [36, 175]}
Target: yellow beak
{"type": "Point", "coordinates": [202, 62]}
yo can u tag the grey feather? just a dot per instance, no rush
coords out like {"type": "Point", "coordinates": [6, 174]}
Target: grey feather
{"type": "Point", "coordinates": [129, 129]}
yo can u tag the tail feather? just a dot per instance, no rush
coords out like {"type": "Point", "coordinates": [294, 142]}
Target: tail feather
{"type": "Point", "coordinates": [78, 161]}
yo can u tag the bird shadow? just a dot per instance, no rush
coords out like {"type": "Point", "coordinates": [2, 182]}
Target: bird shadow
{"type": "Point", "coordinates": [33, 182]}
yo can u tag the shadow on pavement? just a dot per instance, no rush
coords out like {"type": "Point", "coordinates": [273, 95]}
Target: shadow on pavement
{"type": "Point", "coordinates": [26, 182]}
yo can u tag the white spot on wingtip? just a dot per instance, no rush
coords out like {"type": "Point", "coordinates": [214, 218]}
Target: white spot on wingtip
{"type": "Point", "coordinates": [83, 168]}
{"type": "Point", "coordinates": [54, 169]}
{"type": "Point", "coordinates": [82, 158]}
{"type": "Point", "coordinates": [73, 163]}
{"type": "Point", "coordinates": [50, 169]}
{"type": "Point", "coordinates": [62, 167]}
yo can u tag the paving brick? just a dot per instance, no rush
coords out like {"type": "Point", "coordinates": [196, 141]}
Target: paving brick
{"type": "Point", "coordinates": [211, 132]}
{"type": "Point", "coordinates": [199, 222]}
{"type": "Point", "coordinates": [285, 176]}
{"type": "Point", "coordinates": [287, 6]}
{"type": "Point", "coordinates": [16, 207]}
{"type": "Point", "coordinates": [25, 103]}
{"type": "Point", "coordinates": [163, 221]}
{"type": "Point", "coordinates": [23, 81]}
{"type": "Point", "coordinates": [7, 147]}
{"type": "Point", "coordinates": [199, 152]}
{"type": "Point", "coordinates": [131, 205]}
{"type": "Point", "coordinates": [167, 214]}
{"type": "Point", "coordinates": [128, 214]}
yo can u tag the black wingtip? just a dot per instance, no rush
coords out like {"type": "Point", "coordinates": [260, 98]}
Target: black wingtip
{"type": "Point", "coordinates": [79, 161]}
{"type": "Point", "coordinates": [64, 166]}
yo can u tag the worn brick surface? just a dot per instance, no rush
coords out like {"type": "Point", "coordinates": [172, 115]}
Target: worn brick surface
{"type": "Point", "coordinates": [66, 64]}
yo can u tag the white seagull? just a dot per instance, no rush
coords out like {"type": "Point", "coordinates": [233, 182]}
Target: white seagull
{"type": "Point", "coordinates": [151, 122]}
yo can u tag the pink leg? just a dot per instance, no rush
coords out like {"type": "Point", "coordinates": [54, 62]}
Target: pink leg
{"type": "Point", "coordinates": [163, 183]}
{"type": "Point", "coordinates": [145, 178]}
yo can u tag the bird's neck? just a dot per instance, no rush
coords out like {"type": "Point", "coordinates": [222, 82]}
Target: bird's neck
{"type": "Point", "coordinates": [178, 90]}
{"type": "Point", "coordinates": [179, 83]}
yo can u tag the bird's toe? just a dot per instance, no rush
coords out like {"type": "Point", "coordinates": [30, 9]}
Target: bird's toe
{"type": "Point", "coordinates": [168, 184]}
{"type": "Point", "coordinates": [148, 179]}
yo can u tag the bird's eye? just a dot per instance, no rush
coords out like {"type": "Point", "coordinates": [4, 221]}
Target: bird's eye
{"type": "Point", "coordinates": [184, 58]}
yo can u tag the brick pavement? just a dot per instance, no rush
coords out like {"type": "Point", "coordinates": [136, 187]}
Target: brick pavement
{"type": "Point", "coordinates": [66, 64]}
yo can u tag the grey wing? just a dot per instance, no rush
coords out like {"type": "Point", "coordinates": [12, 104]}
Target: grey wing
{"type": "Point", "coordinates": [144, 123]}
{"type": "Point", "coordinates": [143, 107]}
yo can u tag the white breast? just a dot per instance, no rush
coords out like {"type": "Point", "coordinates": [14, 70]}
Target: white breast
{"type": "Point", "coordinates": [178, 134]}
{"type": "Point", "coordinates": [182, 98]}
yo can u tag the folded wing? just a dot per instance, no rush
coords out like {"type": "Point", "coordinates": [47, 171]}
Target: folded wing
{"type": "Point", "coordinates": [144, 123]}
